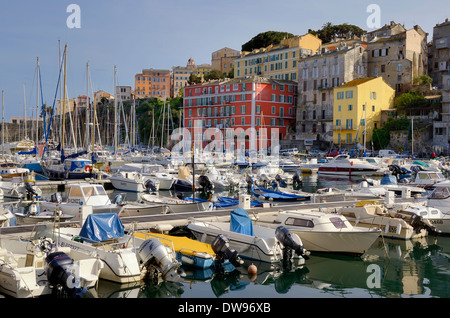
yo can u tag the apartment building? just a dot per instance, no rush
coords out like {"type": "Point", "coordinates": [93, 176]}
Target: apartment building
{"type": "Point", "coordinates": [318, 76]}
{"type": "Point", "coordinates": [278, 61]}
{"type": "Point", "coordinates": [223, 59]}
{"type": "Point", "coordinates": [152, 83]}
{"type": "Point", "coordinates": [397, 55]}
{"type": "Point", "coordinates": [266, 105]}
{"type": "Point", "coordinates": [441, 127]}
{"type": "Point", "coordinates": [357, 108]}
{"type": "Point", "coordinates": [180, 76]}
{"type": "Point", "coordinates": [439, 54]}
{"type": "Point", "coordinates": [124, 93]}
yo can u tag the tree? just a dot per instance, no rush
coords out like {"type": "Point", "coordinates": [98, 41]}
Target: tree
{"type": "Point", "coordinates": [410, 100]}
{"type": "Point", "coordinates": [422, 80]}
{"type": "Point", "coordinates": [194, 79]}
{"type": "Point", "coordinates": [265, 39]}
{"type": "Point", "coordinates": [213, 75]}
{"type": "Point", "coordinates": [329, 31]}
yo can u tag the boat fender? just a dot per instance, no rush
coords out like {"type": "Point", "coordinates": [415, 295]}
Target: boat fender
{"type": "Point", "coordinates": [351, 163]}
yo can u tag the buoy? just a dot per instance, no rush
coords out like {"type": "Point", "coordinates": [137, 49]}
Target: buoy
{"type": "Point", "coordinates": [252, 270]}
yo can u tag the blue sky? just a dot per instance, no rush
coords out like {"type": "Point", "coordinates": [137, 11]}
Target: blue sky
{"type": "Point", "coordinates": [141, 34]}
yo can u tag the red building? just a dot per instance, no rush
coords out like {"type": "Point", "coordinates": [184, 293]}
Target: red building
{"type": "Point", "coordinates": [257, 109]}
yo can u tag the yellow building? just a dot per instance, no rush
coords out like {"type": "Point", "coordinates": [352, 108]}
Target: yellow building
{"type": "Point", "coordinates": [357, 109]}
{"type": "Point", "coordinates": [277, 61]}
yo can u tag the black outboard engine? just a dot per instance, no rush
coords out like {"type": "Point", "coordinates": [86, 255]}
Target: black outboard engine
{"type": "Point", "coordinates": [418, 224]}
{"type": "Point", "coordinates": [221, 246]}
{"type": "Point", "coordinates": [296, 180]}
{"type": "Point", "coordinates": [205, 183]}
{"type": "Point", "coordinates": [249, 181]}
{"type": "Point", "coordinates": [281, 181]}
{"type": "Point", "coordinates": [30, 191]}
{"type": "Point", "coordinates": [289, 244]}
{"type": "Point", "coordinates": [149, 185]}
{"type": "Point", "coordinates": [61, 276]}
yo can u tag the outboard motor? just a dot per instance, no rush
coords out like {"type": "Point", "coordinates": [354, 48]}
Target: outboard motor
{"type": "Point", "coordinates": [297, 181]}
{"type": "Point", "coordinates": [205, 183]}
{"type": "Point", "coordinates": [149, 185]}
{"type": "Point", "coordinates": [61, 275]}
{"type": "Point", "coordinates": [30, 191]}
{"type": "Point", "coordinates": [118, 199]}
{"type": "Point", "coordinates": [56, 197]}
{"type": "Point", "coordinates": [249, 181]}
{"type": "Point", "coordinates": [418, 224]}
{"type": "Point", "coordinates": [281, 181]}
{"type": "Point", "coordinates": [221, 246]}
{"type": "Point", "coordinates": [289, 244]}
{"type": "Point", "coordinates": [156, 257]}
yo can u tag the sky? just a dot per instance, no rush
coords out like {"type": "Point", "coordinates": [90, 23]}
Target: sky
{"type": "Point", "coordinates": [138, 34]}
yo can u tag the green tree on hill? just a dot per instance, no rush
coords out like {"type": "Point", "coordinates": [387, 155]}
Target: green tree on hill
{"type": "Point", "coordinates": [265, 39]}
{"type": "Point", "coordinates": [329, 31]}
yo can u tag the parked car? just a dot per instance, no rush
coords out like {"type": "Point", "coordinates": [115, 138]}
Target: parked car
{"type": "Point", "coordinates": [316, 153]}
{"type": "Point", "coordinates": [333, 153]}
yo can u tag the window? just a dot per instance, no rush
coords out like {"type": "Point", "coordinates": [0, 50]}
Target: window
{"type": "Point", "coordinates": [399, 67]}
{"type": "Point", "coordinates": [273, 110]}
{"type": "Point", "coordinates": [299, 222]}
{"type": "Point", "coordinates": [243, 121]}
{"type": "Point", "coordinates": [350, 107]}
{"type": "Point", "coordinates": [338, 222]}
{"type": "Point", "coordinates": [258, 109]}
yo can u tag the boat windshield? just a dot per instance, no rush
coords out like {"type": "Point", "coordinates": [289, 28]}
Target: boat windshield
{"type": "Point", "coordinates": [299, 222]}
{"type": "Point", "coordinates": [440, 193]}
{"type": "Point", "coordinates": [338, 223]}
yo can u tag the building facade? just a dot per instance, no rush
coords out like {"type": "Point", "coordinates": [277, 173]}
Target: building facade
{"type": "Point", "coordinates": [398, 55]}
{"type": "Point", "coordinates": [223, 59]}
{"type": "Point", "coordinates": [255, 108]}
{"type": "Point", "coordinates": [278, 61]}
{"type": "Point", "coordinates": [318, 76]}
{"type": "Point", "coordinates": [439, 55]}
{"type": "Point", "coordinates": [357, 110]}
{"type": "Point", "coordinates": [441, 128]}
{"type": "Point", "coordinates": [180, 76]}
{"type": "Point", "coordinates": [152, 83]}
{"type": "Point", "coordinates": [124, 93]}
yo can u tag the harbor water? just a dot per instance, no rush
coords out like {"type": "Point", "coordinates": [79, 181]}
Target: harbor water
{"type": "Point", "coordinates": [390, 269]}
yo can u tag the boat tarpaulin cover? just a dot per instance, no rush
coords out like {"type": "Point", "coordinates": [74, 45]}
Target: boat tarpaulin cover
{"type": "Point", "coordinates": [241, 222]}
{"type": "Point", "coordinates": [101, 227]}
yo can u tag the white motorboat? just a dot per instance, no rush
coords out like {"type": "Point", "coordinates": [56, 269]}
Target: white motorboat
{"type": "Point", "coordinates": [177, 205]}
{"type": "Point", "coordinates": [252, 242]}
{"type": "Point", "coordinates": [440, 197]}
{"type": "Point", "coordinates": [323, 232]}
{"type": "Point", "coordinates": [32, 214]}
{"type": "Point", "coordinates": [436, 218]}
{"type": "Point", "coordinates": [102, 235]}
{"type": "Point", "coordinates": [82, 194]}
{"type": "Point", "coordinates": [346, 166]}
{"type": "Point", "coordinates": [372, 214]}
{"type": "Point", "coordinates": [34, 268]}
{"type": "Point", "coordinates": [133, 181]}
{"type": "Point", "coordinates": [155, 172]}
{"type": "Point", "coordinates": [12, 169]}
{"type": "Point", "coordinates": [125, 261]}
{"type": "Point", "coordinates": [17, 188]}
{"type": "Point", "coordinates": [427, 178]}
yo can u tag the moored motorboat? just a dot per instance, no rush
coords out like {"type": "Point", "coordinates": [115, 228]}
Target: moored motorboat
{"type": "Point", "coordinates": [323, 232]}
{"type": "Point", "coordinates": [252, 242]}
{"type": "Point", "coordinates": [344, 165]}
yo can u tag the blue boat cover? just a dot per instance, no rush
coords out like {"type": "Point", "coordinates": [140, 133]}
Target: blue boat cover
{"type": "Point", "coordinates": [241, 222]}
{"type": "Point", "coordinates": [101, 227]}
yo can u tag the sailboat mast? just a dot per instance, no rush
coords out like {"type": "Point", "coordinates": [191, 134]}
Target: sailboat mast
{"type": "Point", "coordinates": [24, 114]}
{"type": "Point", "coordinates": [87, 107]}
{"type": "Point", "coordinates": [115, 114]}
{"type": "Point", "coordinates": [37, 103]}
{"type": "Point", "coordinates": [64, 99]}
{"type": "Point", "coordinates": [3, 124]}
